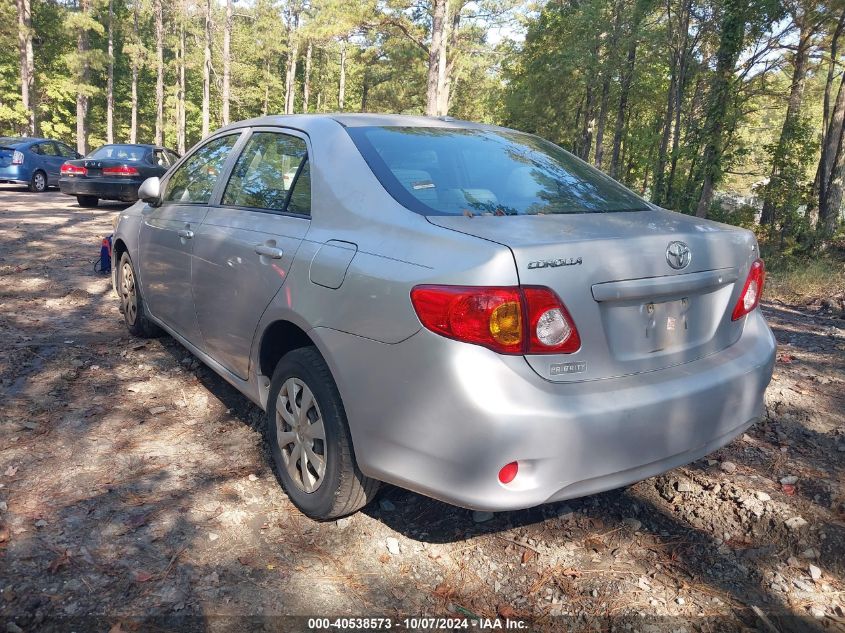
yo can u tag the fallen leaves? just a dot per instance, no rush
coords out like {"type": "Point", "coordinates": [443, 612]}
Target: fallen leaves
{"type": "Point", "coordinates": [11, 470]}
{"type": "Point", "coordinates": [143, 576]}
{"type": "Point", "coordinates": [62, 560]}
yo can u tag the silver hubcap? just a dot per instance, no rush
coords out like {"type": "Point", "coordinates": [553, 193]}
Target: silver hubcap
{"type": "Point", "coordinates": [127, 293]}
{"type": "Point", "coordinates": [301, 435]}
{"type": "Point", "coordinates": [39, 181]}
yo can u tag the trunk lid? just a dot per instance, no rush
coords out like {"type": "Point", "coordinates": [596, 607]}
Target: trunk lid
{"type": "Point", "coordinates": [635, 312]}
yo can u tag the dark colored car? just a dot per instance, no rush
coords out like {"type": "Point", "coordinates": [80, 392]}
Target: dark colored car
{"type": "Point", "coordinates": [34, 162]}
{"type": "Point", "coordinates": [114, 172]}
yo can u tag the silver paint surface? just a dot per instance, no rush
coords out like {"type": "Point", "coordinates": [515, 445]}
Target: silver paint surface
{"type": "Point", "coordinates": [442, 417]}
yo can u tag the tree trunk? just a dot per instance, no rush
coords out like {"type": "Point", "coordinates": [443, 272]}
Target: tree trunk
{"type": "Point", "coordinates": [110, 79]}
{"type": "Point", "coordinates": [683, 62]}
{"type": "Point", "coordinates": [266, 105]}
{"type": "Point", "coordinates": [341, 92]}
{"type": "Point", "coordinates": [679, 76]}
{"type": "Point", "coordinates": [290, 76]}
{"type": "Point", "coordinates": [731, 41]}
{"type": "Point", "coordinates": [136, 41]}
{"type": "Point", "coordinates": [831, 69]}
{"type": "Point", "coordinates": [27, 61]}
{"type": "Point", "coordinates": [829, 212]}
{"type": "Point", "coordinates": [587, 125]}
{"type": "Point", "coordinates": [82, 45]}
{"type": "Point", "coordinates": [660, 167]}
{"type": "Point", "coordinates": [365, 90]}
{"type": "Point", "coordinates": [180, 94]}
{"type": "Point", "coordinates": [306, 83]}
{"type": "Point", "coordinates": [159, 25]}
{"type": "Point", "coordinates": [227, 61]}
{"type": "Point", "coordinates": [605, 88]}
{"type": "Point", "coordinates": [206, 73]}
{"type": "Point", "coordinates": [436, 66]}
{"type": "Point", "coordinates": [605, 93]}
{"type": "Point", "coordinates": [624, 90]}
{"type": "Point", "coordinates": [793, 111]}
{"type": "Point", "coordinates": [830, 143]}
{"type": "Point", "coordinates": [450, 79]}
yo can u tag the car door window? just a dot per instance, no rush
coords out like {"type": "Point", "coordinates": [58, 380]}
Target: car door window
{"type": "Point", "coordinates": [173, 157]}
{"type": "Point", "coordinates": [48, 149]}
{"type": "Point", "coordinates": [265, 171]}
{"type": "Point", "coordinates": [194, 181]}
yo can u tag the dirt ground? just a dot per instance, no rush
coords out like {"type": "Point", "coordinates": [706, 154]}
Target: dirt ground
{"type": "Point", "coordinates": [136, 493]}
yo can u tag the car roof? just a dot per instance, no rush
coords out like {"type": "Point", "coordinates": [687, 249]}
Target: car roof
{"type": "Point", "coordinates": [22, 140]}
{"type": "Point", "coordinates": [144, 145]}
{"type": "Point", "coordinates": [306, 121]}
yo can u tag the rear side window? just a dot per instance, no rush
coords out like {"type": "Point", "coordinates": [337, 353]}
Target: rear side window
{"type": "Point", "coordinates": [193, 182]}
{"type": "Point", "coordinates": [300, 197]}
{"type": "Point", "coordinates": [452, 171]}
{"type": "Point", "coordinates": [160, 158]}
{"type": "Point", "coordinates": [266, 173]}
{"type": "Point", "coordinates": [45, 149]}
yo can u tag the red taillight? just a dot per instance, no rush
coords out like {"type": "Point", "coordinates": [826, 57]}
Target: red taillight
{"type": "Point", "coordinates": [550, 327]}
{"type": "Point", "coordinates": [17, 158]}
{"type": "Point", "coordinates": [123, 170]}
{"type": "Point", "coordinates": [508, 472]}
{"type": "Point", "coordinates": [751, 291]}
{"type": "Point", "coordinates": [508, 320]}
{"type": "Point", "coordinates": [73, 170]}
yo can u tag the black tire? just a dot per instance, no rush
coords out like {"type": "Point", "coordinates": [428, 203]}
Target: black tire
{"type": "Point", "coordinates": [343, 489]}
{"type": "Point", "coordinates": [132, 303]}
{"type": "Point", "coordinates": [38, 183]}
{"type": "Point", "coordinates": [88, 201]}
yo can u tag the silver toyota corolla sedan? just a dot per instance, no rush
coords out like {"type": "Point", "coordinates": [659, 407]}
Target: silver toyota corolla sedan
{"type": "Point", "coordinates": [463, 310]}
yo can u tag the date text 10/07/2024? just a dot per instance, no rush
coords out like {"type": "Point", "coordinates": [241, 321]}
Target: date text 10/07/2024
{"type": "Point", "coordinates": [416, 624]}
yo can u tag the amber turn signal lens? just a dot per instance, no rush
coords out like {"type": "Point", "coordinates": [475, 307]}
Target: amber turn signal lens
{"type": "Point", "coordinates": [506, 323]}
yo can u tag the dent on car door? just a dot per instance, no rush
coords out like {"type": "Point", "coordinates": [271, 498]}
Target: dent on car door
{"type": "Point", "coordinates": [168, 234]}
{"type": "Point", "coordinates": [247, 243]}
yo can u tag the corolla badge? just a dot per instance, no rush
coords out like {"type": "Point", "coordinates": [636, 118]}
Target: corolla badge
{"type": "Point", "coordinates": [555, 263]}
{"type": "Point", "coordinates": [678, 255]}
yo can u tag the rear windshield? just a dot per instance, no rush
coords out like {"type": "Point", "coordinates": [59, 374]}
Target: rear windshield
{"type": "Point", "coordinates": [442, 171]}
{"type": "Point", "coordinates": [129, 153]}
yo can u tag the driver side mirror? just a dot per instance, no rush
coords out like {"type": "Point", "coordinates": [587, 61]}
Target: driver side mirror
{"type": "Point", "coordinates": [150, 191]}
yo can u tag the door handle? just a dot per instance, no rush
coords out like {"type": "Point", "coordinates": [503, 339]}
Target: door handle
{"type": "Point", "coordinates": [185, 233]}
{"type": "Point", "coordinates": [269, 251]}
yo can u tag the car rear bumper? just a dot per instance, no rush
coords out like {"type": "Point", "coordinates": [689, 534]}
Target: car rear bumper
{"type": "Point", "coordinates": [105, 188]}
{"type": "Point", "coordinates": [441, 417]}
{"type": "Point", "coordinates": [14, 174]}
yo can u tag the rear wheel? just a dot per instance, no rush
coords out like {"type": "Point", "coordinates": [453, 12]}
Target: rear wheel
{"type": "Point", "coordinates": [87, 201]}
{"type": "Point", "coordinates": [310, 441]}
{"type": "Point", "coordinates": [38, 182]}
{"type": "Point", "coordinates": [131, 301]}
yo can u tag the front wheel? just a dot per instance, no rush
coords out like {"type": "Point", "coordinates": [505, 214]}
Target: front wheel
{"type": "Point", "coordinates": [131, 301]}
{"type": "Point", "coordinates": [87, 201]}
{"type": "Point", "coordinates": [310, 441]}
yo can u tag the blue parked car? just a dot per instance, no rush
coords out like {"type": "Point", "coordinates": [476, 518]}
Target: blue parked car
{"type": "Point", "coordinates": [34, 162]}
